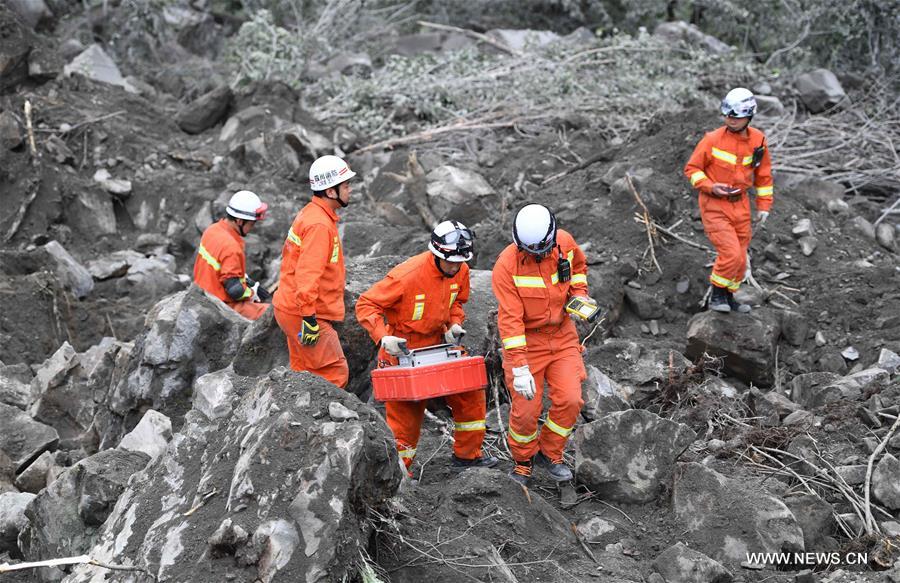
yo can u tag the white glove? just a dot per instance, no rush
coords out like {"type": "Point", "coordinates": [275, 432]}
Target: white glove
{"type": "Point", "coordinates": [761, 217]}
{"type": "Point", "coordinates": [394, 345]}
{"type": "Point", "coordinates": [523, 381]}
{"type": "Point", "coordinates": [255, 297]}
{"type": "Point", "coordinates": [454, 334]}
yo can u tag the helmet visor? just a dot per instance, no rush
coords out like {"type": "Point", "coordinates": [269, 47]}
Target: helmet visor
{"type": "Point", "coordinates": [460, 236]}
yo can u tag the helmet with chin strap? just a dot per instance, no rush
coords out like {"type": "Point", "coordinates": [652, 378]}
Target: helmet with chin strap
{"type": "Point", "coordinates": [452, 241]}
{"type": "Point", "coordinates": [739, 103]}
{"type": "Point", "coordinates": [246, 205]}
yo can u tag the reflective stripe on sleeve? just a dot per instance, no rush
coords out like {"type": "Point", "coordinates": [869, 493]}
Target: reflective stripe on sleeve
{"type": "Point", "coordinates": [514, 342]}
{"type": "Point", "coordinates": [698, 176]}
{"type": "Point", "coordinates": [207, 256]}
{"type": "Point", "coordinates": [765, 190]}
{"type": "Point", "coordinates": [579, 278]}
{"type": "Point", "coordinates": [293, 238]}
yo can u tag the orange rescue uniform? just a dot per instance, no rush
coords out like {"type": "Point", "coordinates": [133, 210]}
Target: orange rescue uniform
{"type": "Point", "coordinates": [726, 157]}
{"type": "Point", "coordinates": [312, 284]}
{"type": "Point", "coordinates": [535, 330]}
{"type": "Point", "coordinates": [221, 257]}
{"type": "Point", "coordinates": [417, 302]}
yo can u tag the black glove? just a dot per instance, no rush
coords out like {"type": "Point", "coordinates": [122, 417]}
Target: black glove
{"type": "Point", "coordinates": [264, 294]}
{"type": "Point", "coordinates": [309, 331]}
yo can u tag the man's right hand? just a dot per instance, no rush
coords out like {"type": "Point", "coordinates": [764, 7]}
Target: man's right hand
{"type": "Point", "coordinates": [722, 189]}
{"type": "Point", "coordinates": [394, 345]}
{"type": "Point", "coordinates": [523, 381]}
{"type": "Point", "coordinates": [309, 331]}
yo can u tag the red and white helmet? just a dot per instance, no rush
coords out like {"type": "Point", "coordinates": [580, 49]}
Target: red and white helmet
{"type": "Point", "coordinates": [327, 172]}
{"type": "Point", "coordinates": [246, 205]}
{"type": "Point", "coordinates": [453, 242]}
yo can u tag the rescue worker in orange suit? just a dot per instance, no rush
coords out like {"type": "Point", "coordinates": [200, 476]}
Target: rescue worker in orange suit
{"type": "Point", "coordinates": [534, 278]}
{"type": "Point", "coordinates": [725, 165]}
{"type": "Point", "coordinates": [420, 303]}
{"type": "Point", "coordinates": [221, 265]}
{"type": "Point", "coordinates": [310, 295]}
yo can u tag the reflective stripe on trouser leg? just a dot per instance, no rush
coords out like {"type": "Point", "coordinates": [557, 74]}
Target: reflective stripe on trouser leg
{"type": "Point", "coordinates": [325, 358]}
{"type": "Point", "coordinates": [405, 420]}
{"type": "Point", "coordinates": [468, 422]}
{"type": "Point", "coordinates": [727, 226]}
{"type": "Point", "coordinates": [523, 415]}
{"type": "Point", "coordinates": [564, 376]}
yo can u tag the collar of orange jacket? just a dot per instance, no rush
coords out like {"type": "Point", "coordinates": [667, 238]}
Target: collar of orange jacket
{"type": "Point", "coordinates": [231, 228]}
{"type": "Point", "coordinates": [323, 204]}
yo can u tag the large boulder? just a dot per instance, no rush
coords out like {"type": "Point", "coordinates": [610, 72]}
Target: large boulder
{"type": "Point", "coordinates": [187, 335]}
{"type": "Point", "coordinates": [683, 32]}
{"type": "Point", "coordinates": [628, 456]}
{"type": "Point", "coordinates": [16, 44]}
{"type": "Point", "coordinates": [23, 439]}
{"type": "Point", "coordinates": [729, 518]}
{"type": "Point", "coordinates": [745, 342]}
{"type": "Point", "coordinates": [263, 347]}
{"type": "Point", "coordinates": [460, 192]}
{"type": "Point", "coordinates": [151, 435]}
{"type": "Point", "coordinates": [819, 90]}
{"type": "Point", "coordinates": [602, 395]}
{"type": "Point", "coordinates": [680, 564]}
{"type": "Point", "coordinates": [12, 519]}
{"type": "Point", "coordinates": [275, 491]}
{"type": "Point", "coordinates": [72, 274]}
{"type": "Point", "coordinates": [15, 385]}
{"type": "Point", "coordinates": [886, 482]}
{"type": "Point", "coordinates": [71, 388]}
{"type": "Point", "coordinates": [64, 517]}
{"type": "Point", "coordinates": [96, 65]}
{"type": "Point", "coordinates": [204, 112]}
{"type": "Point", "coordinates": [815, 517]}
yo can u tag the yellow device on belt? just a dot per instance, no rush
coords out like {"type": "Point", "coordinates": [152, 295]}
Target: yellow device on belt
{"type": "Point", "coordinates": [582, 309]}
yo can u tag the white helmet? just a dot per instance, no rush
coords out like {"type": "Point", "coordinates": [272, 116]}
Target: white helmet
{"type": "Point", "coordinates": [246, 205]}
{"type": "Point", "coordinates": [327, 172]}
{"type": "Point", "coordinates": [739, 103]}
{"type": "Point", "coordinates": [534, 229]}
{"type": "Point", "coordinates": [452, 241]}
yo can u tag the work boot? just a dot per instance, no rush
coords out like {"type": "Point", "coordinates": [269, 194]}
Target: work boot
{"type": "Point", "coordinates": [557, 469]}
{"type": "Point", "coordinates": [718, 301]}
{"type": "Point", "coordinates": [458, 465]}
{"type": "Point", "coordinates": [736, 306]}
{"type": "Point", "coordinates": [521, 473]}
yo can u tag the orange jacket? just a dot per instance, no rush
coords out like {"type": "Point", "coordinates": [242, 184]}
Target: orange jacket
{"type": "Point", "coordinates": [312, 265]}
{"type": "Point", "coordinates": [221, 257]}
{"type": "Point", "coordinates": [530, 294]}
{"type": "Point", "coordinates": [417, 300]}
{"type": "Point", "coordinates": [724, 156]}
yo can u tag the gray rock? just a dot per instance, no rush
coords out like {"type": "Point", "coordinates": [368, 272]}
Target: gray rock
{"type": "Point", "coordinates": [808, 245]}
{"type": "Point", "coordinates": [815, 517]}
{"type": "Point", "coordinates": [729, 518]}
{"type": "Point", "coordinates": [523, 39]}
{"type": "Point", "coordinates": [71, 274]}
{"type": "Point", "coordinates": [227, 538]}
{"type": "Point", "coordinates": [794, 327]}
{"type": "Point", "coordinates": [594, 527]}
{"type": "Point", "coordinates": [890, 528]}
{"type": "Point", "coordinates": [117, 186]}
{"type": "Point", "coordinates": [644, 304]}
{"type": "Point", "coordinates": [95, 64]}
{"type": "Point", "coordinates": [92, 211]}
{"type": "Point", "coordinates": [32, 12]}
{"type": "Point", "coordinates": [205, 111]}
{"type": "Point", "coordinates": [297, 494]}
{"type": "Point", "coordinates": [802, 228]}
{"type": "Point", "coordinates": [769, 106]}
{"type": "Point", "coordinates": [10, 133]}
{"type": "Point", "coordinates": [679, 564]}
{"type": "Point", "coordinates": [853, 475]}
{"type": "Point", "coordinates": [12, 519]}
{"type": "Point", "coordinates": [814, 193]}
{"type": "Point", "coordinates": [16, 43]}
{"type": "Point", "coordinates": [113, 265]}
{"type": "Point", "coordinates": [306, 143]}
{"type": "Point", "coordinates": [64, 517]}
{"type": "Point", "coordinates": [263, 348]}
{"type": "Point", "coordinates": [15, 385]}
{"type": "Point", "coordinates": [772, 403]}
{"type": "Point", "coordinates": [799, 418]}
{"type": "Point", "coordinates": [338, 412]}
{"type": "Point", "coordinates": [887, 360]}
{"type": "Point", "coordinates": [151, 435]}
{"type": "Point", "coordinates": [33, 479]}
{"type": "Point", "coordinates": [819, 90]}
{"type": "Point", "coordinates": [627, 456]}
{"type": "Point", "coordinates": [864, 227]}
{"type": "Point", "coordinates": [805, 388]}
{"type": "Point", "coordinates": [884, 234]}
{"type": "Point", "coordinates": [746, 343]}
{"type": "Point", "coordinates": [886, 482]}
{"type": "Point", "coordinates": [71, 391]}
{"type": "Point", "coordinates": [148, 278]}
{"type": "Point", "coordinates": [680, 31]}
{"type": "Point", "coordinates": [602, 395]}
{"type": "Point", "coordinates": [348, 63]}
{"type": "Point", "coordinates": [213, 393]}
{"type": "Point", "coordinates": [71, 48]}
{"type": "Point", "coordinates": [458, 191]}
{"type": "Point", "coordinates": [188, 335]}
{"type": "Point", "coordinates": [23, 439]}
{"type": "Point", "coordinates": [654, 366]}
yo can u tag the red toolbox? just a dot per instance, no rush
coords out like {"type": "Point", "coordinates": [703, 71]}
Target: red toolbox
{"type": "Point", "coordinates": [433, 371]}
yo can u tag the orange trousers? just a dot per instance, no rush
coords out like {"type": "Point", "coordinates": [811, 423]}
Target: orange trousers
{"type": "Point", "coordinates": [555, 357]}
{"type": "Point", "coordinates": [248, 309]}
{"type": "Point", "coordinates": [728, 227]}
{"type": "Point", "coordinates": [405, 417]}
{"type": "Point", "coordinates": [325, 358]}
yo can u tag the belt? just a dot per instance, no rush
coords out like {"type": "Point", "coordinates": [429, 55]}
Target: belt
{"type": "Point", "coordinates": [730, 197]}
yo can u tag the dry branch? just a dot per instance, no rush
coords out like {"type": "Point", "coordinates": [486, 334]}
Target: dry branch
{"type": "Point", "coordinates": [79, 560]}
{"type": "Point", "coordinates": [414, 181]}
{"type": "Point", "coordinates": [651, 233]}
{"type": "Point", "coordinates": [23, 210]}
{"type": "Point", "coordinates": [472, 34]}
{"type": "Point", "coordinates": [30, 128]}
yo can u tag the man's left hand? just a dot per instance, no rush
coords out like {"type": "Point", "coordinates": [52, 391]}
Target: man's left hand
{"type": "Point", "coordinates": [454, 334]}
